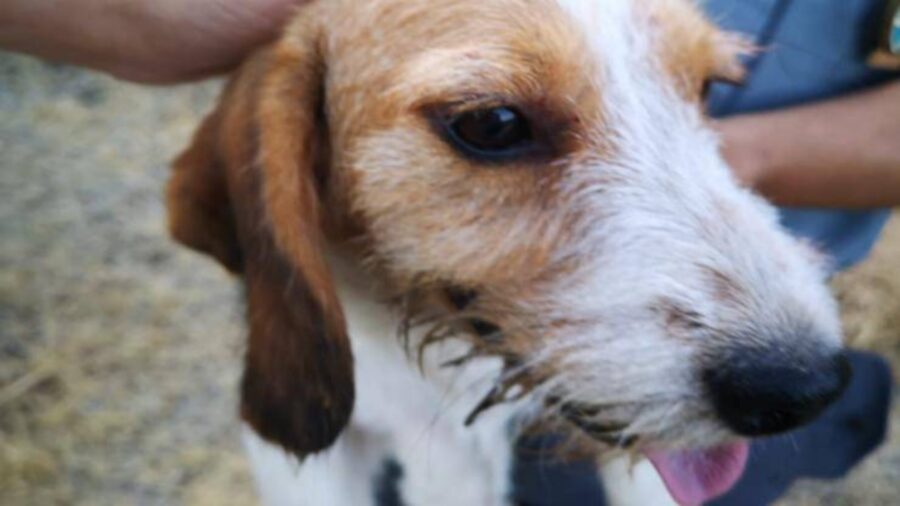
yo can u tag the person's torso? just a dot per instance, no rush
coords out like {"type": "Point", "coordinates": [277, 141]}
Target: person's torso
{"type": "Point", "coordinates": [811, 50]}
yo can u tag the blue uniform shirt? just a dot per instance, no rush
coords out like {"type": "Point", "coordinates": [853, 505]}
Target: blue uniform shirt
{"type": "Point", "coordinates": [813, 50]}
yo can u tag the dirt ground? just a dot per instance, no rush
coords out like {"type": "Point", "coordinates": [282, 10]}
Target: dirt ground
{"type": "Point", "coordinates": [119, 351]}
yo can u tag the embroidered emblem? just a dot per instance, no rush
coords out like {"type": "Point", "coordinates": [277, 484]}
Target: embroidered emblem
{"type": "Point", "coordinates": [887, 55]}
{"type": "Point", "coordinates": [894, 37]}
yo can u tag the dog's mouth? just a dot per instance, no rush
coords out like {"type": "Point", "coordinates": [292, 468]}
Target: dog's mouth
{"type": "Point", "coordinates": [692, 477]}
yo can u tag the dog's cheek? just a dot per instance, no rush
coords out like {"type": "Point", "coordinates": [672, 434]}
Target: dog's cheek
{"type": "Point", "coordinates": [428, 211]}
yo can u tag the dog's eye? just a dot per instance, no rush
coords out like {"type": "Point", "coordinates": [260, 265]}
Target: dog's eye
{"type": "Point", "coordinates": [498, 132]}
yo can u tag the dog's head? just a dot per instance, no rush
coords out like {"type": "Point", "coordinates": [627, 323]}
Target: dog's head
{"type": "Point", "coordinates": [546, 166]}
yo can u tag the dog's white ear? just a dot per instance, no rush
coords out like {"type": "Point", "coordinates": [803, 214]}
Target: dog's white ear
{"type": "Point", "coordinates": [246, 191]}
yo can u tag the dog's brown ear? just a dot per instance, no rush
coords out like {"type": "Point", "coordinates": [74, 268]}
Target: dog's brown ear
{"type": "Point", "coordinates": [246, 192]}
{"type": "Point", "coordinates": [198, 203]}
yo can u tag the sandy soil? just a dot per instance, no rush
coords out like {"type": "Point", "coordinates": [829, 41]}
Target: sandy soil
{"type": "Point", "coordinates": [119, 351]}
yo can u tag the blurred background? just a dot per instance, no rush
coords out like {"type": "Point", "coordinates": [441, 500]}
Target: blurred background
{"type": "Point", "coordinates": [120, 352]}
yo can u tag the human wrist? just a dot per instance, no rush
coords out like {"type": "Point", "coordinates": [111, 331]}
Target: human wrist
{"type": "Point", "coordinates": [88, 33]}
{"type": "Point", "coordinates": [747, 151]}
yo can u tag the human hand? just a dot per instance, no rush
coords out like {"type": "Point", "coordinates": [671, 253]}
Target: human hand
{"type": "Point", "coordinates": [149, 41]}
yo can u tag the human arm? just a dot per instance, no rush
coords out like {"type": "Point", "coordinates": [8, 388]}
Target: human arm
{"type": "Point", "coordinates": [153, 41]}
{"type": "Point", "coordinates": [840, 153]}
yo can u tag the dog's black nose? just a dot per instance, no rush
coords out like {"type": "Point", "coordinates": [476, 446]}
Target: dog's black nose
{"type": "Point", "coordinates": [758, 393]}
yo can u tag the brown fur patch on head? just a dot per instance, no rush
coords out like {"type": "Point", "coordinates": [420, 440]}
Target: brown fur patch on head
{"type": "Point", "coordinates": [429, 213]}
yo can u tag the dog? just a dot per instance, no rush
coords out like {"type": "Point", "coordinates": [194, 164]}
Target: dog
{"type": "Point", "coordinates": [460, 221]}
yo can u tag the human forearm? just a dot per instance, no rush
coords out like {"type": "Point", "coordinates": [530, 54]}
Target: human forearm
{"type": "Point", "coordinates": [93, 33]}
{"type": "Point", "coordinates": [842, 153]}
{"type": "Point", "coordinates": [142, 40]}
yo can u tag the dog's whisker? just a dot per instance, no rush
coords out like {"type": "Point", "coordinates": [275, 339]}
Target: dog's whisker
{"type": "Point", "coordinates": [436, 335]}
{"type": "Point", "coordinates": [462, 360]}
{"type": "Point", "coordinates": [509, 387]}
{"type": "Point", "coordinates": [493, 397]}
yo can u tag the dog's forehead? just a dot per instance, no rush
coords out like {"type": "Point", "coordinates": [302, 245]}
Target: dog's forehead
{"type": "Point", "coordinates": [369, 40]}
{"type": "Point", "coordinates": [675, 31]}
{"type": "Point", "coordinates": [674, 36]}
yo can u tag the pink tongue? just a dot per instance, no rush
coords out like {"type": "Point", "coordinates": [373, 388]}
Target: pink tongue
{"type": "Point", "coordinates": [696, 476]}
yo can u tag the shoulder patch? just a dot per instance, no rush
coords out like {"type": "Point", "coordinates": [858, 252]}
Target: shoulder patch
{"type": "Point", "coordinates": [887, 56]}
{"type": "Point", "coordinates": [894, 36]}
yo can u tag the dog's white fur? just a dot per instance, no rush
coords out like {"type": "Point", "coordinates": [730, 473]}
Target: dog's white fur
{"type": "Point", "coordinates": [672, 232]}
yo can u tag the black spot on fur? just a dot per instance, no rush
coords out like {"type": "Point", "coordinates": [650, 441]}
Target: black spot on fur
{"type": "Point", "coordinates": [387, 484]}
